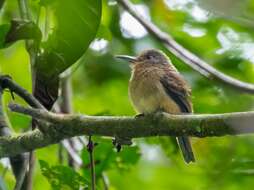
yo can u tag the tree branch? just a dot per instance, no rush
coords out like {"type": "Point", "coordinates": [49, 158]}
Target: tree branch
{"type": "Point", "coordinates": [186, 56]}
{"type": "Point", "coordinates": [60, 126]}
{"type": "Point", "coordinates": [19, 161]}
{"type": "Point", "coordinates": [7, 82]}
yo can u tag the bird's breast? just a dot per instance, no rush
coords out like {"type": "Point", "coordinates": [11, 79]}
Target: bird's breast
{"type": "Point", "coordinates": [147, 94]}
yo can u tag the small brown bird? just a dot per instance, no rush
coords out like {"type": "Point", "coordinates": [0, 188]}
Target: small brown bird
{"type": "Point", "coordinates": [155, 85]}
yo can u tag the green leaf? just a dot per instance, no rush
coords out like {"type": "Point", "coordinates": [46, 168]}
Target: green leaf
{"type": "Point", "coordinates": [62, 177]}
{"type": "Point", "coordinates": [3, 32]}
{"type": "Point", "coordinates": [21, 30]}
{"type": "Point", "coordinates": [18, 30]}
{"type": "Point", "coordinates": [76, 25]}
{"type": "Point", "coordinates": [129, 156]}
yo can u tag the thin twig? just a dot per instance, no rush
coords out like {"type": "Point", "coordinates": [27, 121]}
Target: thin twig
{"type": "Point", "coordinates": [186, 56]}
{"type": "Point", "coordinates": [20, 179]}
{"type": "Point", "coordinates": [73, 154]}
{"type": "Point", "coordinates": [28, 185]}
{"type": "Point", "coordinates": [82, 140]}
{"type": "Point", "coordinates": [60, 153]}
{"type": "Point", "coordinates": [90, 149]}
{"type": "Point", "coordinates": [20, 161]}
{"type": "Point", "coordinates": [23, 9]}
{"type": "Point", "coordinates": [66, 107]}
{"type": "Point", "coordinates": [105, 181]}
{"type": "Point", "coordinates": [7, 82]}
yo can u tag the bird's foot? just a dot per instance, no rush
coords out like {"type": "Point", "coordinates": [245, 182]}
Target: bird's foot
{"type": "Point", "coordinates": [119, 141]}
{"type": "Point", "coordinates": [139, 115]}
{"type": "Point", "coordinates": [117, 145]}
{"type": "Point", "coordinates": [159, 113]}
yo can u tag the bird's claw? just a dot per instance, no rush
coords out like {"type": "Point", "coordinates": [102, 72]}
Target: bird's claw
{"type": "Point", "coordinates": [119, 141]}
{"type": "Point", "coordinates": [117, 145]}
{"type": "Point", "coordinates": [139, 115]}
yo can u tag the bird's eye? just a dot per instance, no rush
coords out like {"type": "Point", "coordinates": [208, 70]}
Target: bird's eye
{"type": "Point", "coordinates": [149, 57]}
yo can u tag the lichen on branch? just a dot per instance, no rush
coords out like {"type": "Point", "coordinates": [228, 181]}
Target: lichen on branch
{"type": "Point", "coordinates": [63, 126]}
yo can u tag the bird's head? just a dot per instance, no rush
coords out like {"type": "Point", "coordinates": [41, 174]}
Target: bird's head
{"type": "Point", "coordinates": [149, 57]}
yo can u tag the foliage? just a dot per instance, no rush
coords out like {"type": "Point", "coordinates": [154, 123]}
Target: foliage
{"type": "Point", "coordinates": [100, 85]}
{"type": "Point", "coordinates": [19, 30]}
{"type": "Point", "coordinates": [62, 177]}
{"type": "Point", "coordinates": [67, 42]}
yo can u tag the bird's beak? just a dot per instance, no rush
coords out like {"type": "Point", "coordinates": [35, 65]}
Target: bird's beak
{"type": "Point", "coordinates": [128, 58]}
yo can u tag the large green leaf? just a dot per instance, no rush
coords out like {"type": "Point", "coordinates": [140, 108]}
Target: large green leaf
{"type": "Point", "coordinates": [76, 25]}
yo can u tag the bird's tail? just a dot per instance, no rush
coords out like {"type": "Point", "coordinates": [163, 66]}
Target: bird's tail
{"type": "Point", "coordinates": [185, 146]}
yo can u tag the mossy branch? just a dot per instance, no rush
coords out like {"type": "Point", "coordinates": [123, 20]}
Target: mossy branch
{"type": "Point", "coordinates": [62, 126]}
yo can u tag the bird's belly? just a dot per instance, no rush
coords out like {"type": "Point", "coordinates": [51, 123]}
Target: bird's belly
{"type": "Point", "coordinates": [146, 104]}
{"type": "Point", "coordinates": [152, 99]}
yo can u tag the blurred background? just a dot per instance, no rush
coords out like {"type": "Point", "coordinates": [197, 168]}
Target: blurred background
{"type": "Point", "coordinates": [220, 32]}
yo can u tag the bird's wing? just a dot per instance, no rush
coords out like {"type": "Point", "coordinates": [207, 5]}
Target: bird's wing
{"type": "Point", "coordinates": [178, 90]}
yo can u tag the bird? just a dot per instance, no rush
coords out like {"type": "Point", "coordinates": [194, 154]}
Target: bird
{"type": "Point", "coordinates": [156, 85]}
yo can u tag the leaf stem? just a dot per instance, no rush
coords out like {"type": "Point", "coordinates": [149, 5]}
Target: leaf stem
{"type": "Point", "coordinates": [23, 9]}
